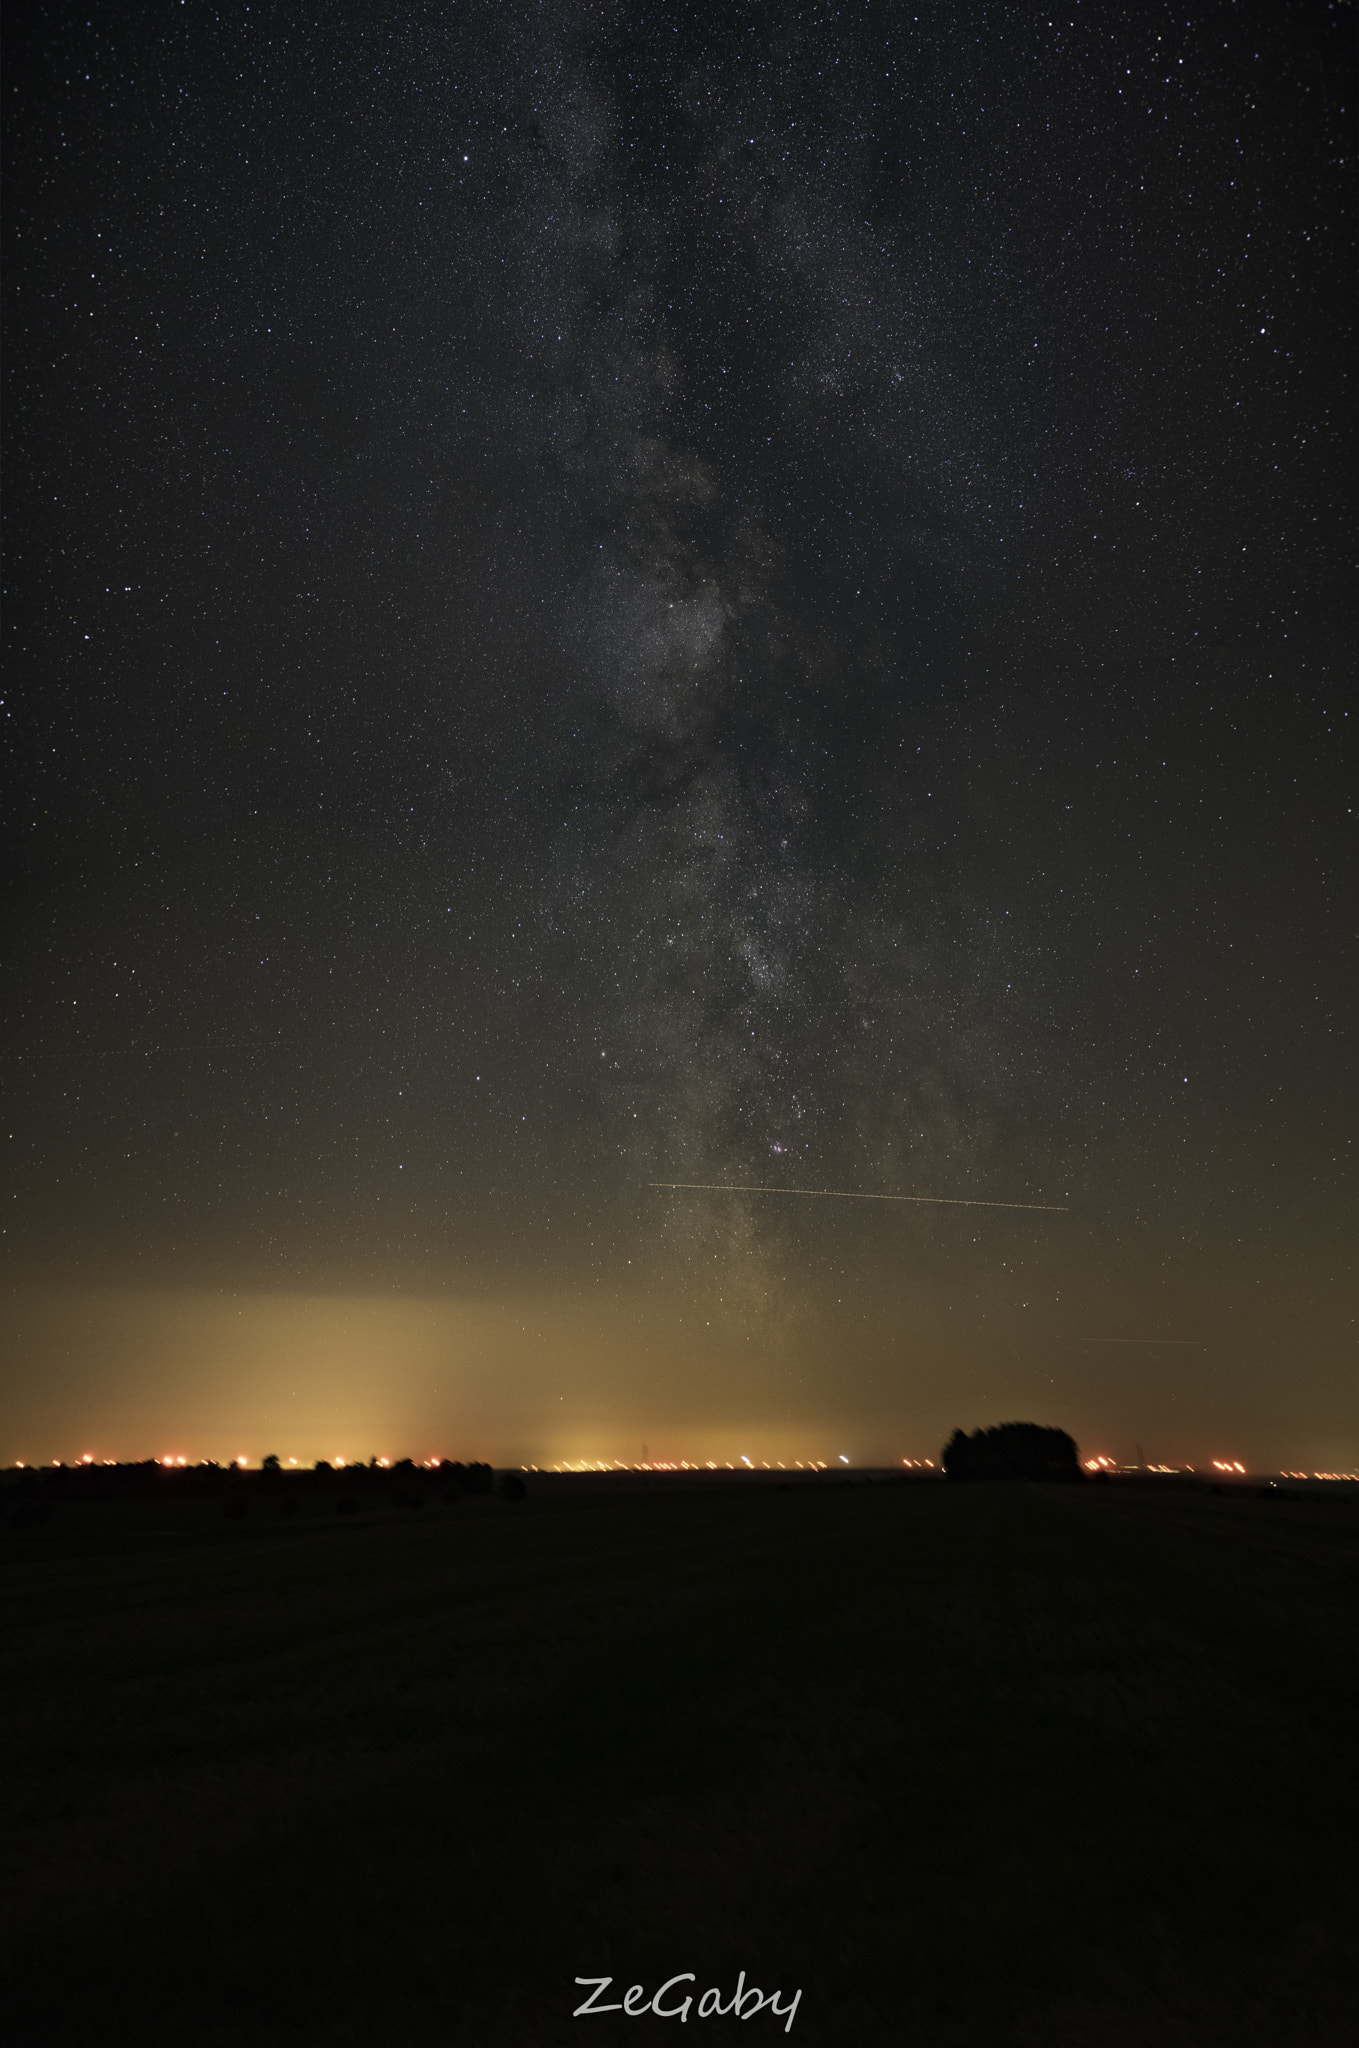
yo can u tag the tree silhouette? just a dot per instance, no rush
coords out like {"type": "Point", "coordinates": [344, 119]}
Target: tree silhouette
{"type": "Point", "coordinates": [1012, 1450]}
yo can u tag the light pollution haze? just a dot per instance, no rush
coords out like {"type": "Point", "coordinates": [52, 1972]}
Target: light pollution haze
{"type": "Point", "coordinates": [573, 1375]}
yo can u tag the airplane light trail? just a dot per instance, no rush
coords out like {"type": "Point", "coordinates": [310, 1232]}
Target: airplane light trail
{"type": "Point", "coordinates": [853, 1195]}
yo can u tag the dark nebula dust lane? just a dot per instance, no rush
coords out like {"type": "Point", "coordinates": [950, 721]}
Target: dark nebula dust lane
{"type": "Point", "coordinates": [599, 602]}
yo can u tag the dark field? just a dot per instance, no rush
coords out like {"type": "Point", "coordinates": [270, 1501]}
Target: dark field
{"type": "Point", "coordinates": [979, 1764]}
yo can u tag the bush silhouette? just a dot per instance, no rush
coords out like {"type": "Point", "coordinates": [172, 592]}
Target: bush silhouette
{"type": "Point", "coordinates": [1012, 1450]}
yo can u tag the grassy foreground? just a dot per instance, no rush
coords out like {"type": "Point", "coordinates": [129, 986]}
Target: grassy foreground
{"type": "Point", "coordinates": [1003, 1764]}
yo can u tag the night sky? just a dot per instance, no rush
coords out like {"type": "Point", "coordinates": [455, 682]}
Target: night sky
{"type": "Point", "coordinates": [601, 595]}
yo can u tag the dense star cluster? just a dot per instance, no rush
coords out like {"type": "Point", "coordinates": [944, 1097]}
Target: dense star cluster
{"type": "Point", "coordinates": [601, 595]}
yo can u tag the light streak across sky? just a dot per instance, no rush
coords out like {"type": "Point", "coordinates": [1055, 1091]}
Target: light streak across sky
{"type": "Point", "coordinates": [853, 1195]}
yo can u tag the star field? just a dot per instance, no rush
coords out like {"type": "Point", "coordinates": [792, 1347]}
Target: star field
{"type": "Point", "coordinates": [598, 596]}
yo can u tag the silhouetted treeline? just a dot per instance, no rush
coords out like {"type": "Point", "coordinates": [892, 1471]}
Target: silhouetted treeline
{"type": "Point", "coordinates": [28, 1494]}
{"type": "Point", "coordinates": [1012, 1450]}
